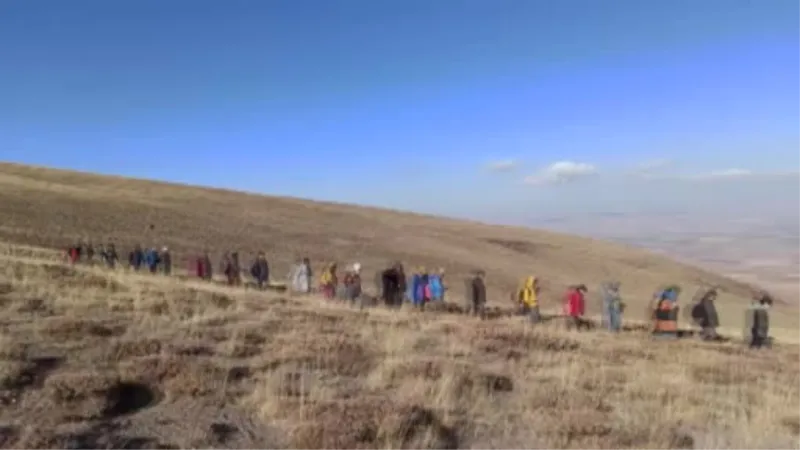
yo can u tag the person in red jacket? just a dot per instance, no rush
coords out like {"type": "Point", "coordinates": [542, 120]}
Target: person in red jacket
{"type": "Point", "coordinates": [575, 306]}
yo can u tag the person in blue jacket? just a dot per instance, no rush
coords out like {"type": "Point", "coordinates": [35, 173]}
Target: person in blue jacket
{"type": "Point", "coordinates": [415, 284]}
{"type": "Point", "coordinates": [151, 259]}
{"type": "Point", "coordinates": [436, 285]}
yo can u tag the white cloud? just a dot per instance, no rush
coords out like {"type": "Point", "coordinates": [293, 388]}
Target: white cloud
{"type": "Point", "coordinates": [725, 173]}
{"type": "Point", "coordinates": [562, 172]}
{"type": "Point", "coordinates": [505, 165]}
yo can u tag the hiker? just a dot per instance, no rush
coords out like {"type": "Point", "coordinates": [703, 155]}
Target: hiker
{"type": "Point", "coordinates": [259, 270]}
{"type": "Point", "coordinates": [136, 257]}
{"type": "Point", "coordinates": [665, 313]}
{"type": "Point", "coordinates": [202, 267]}
{"type": "Point", "coordinates": [300, 277]}
{"type": "Point", "coordinates": [528, 298]}
{"type": "Point", "coordinates": [411, 282]}
{"type": "Point", "coordinates": [416, 287]}
{"type": "Point", "coordinates": [575, 306]}
{"type": "Point", "coordinates": [230, 270]}
{"type": "Point", "coordinates": [612, 306]}
{"type": "Point", "coordinates": [705, 315]}
{"type": "Point", "coordinates": [328, 281]}
{"type": "Point", "coordinates": [758, 321]}
{"type": "Point", "coordinates": [352, 283]}
{"type": "Point", "coordinates": [73, 254]}
{"type": "Point", "coordinates": [436, 286]}
{"type": "Point", "coordinates": [236, 266]}
{"type": "Point", "coordinates": [109, 255]}
{"type": "Point", "coordinates": [151, 259]}
{"type": "Point", "coordinates": [393, 285]}
{"type": "Point", "coordinates": [165, 260]}
{"type": "Point", "coordinates": [89, 251]}
{"type": "Point", "coordinates": [401, 287]}
{"type": "Point", "coordinates": [476, 293]}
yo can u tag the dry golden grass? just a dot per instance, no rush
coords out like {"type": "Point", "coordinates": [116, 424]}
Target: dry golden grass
{"type": "Point", "coordinates": [97, 358]}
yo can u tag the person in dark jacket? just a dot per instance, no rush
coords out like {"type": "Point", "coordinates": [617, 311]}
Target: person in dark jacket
{"type": "Point", "coordinates": [477, 294]}
{"type": "Point", "coordinates": [401, 284]}
{"type": "Point", "coordinates": [259, 270]}
{"type": "Point", "coordinates": [705, 315]}
{"type": "Point", "coordinates": [166, 261]}
{"type": "Point", "coordinates": [136, 257]}
{"type": "Point", "coordinates": [393, 285]}
{"type": "Point", "coordinates": [231, 270]}
{"type": "Point", "coordinates": [758, 321]}
{"type": "Point", "coordinates": [89, 251]}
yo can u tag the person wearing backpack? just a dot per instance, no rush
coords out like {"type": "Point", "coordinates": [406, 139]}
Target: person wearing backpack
{"type": "Point", "coordinates": [528, 298]}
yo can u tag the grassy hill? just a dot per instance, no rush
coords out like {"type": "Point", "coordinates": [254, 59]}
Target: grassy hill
{"type": "Point", "coordinates": [53, 208]}
{"type": "Point", "coordinates": [98, 358]}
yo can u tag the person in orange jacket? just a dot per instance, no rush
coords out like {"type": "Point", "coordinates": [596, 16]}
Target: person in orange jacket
{"type": "Point", "coordinates": [575, 306]}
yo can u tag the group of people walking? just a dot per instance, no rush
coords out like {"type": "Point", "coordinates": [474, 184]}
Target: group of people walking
{"type": "Point", "coordinates": [139, 258]}
{"type": "Point", "coordinates": [421, 287]}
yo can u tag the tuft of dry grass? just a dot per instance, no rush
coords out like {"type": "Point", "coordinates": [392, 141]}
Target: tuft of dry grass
{"type": "Point", "coordinates": [93, 358]}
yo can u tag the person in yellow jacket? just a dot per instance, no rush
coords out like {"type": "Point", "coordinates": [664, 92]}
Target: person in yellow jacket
{"type": "Point", "coordinates": [528, 297]}
{"type": "Point", "coordinates": [328, 281]}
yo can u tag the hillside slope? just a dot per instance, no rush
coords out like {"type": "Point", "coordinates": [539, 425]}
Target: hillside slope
{"type": "Point", "coordinates": [52, 208]}
{"type": "Point", "coordinates": [97, 358]}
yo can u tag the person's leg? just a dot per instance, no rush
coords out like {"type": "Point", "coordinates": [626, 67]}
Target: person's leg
{"type": "Point", "coordinates": [614, 320]}
{"type": "Point", "coordinates": [535, 316]}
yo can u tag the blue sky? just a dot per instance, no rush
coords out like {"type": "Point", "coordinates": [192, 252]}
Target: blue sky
{"type": "Point", "coordinates": [474, 108]}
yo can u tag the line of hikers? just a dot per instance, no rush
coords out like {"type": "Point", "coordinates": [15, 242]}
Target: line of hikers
{"type": "Point", "coordinates": [139, 258]}
{"type": "Point", "coordinates": [422, 287]}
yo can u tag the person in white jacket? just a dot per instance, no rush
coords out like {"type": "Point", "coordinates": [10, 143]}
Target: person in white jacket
{"type": "Point", "coordinates": [300, 277]}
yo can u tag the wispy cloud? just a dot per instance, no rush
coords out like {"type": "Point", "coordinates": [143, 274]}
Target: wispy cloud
{"type": "Point", "coordinates": [728, 173]}
{"type": "Point", "coordinates": [736, 173]}
{"type": "Point", "coordinates": [561, 172]}
{"type": "Point", "coordinates": [504, 165]}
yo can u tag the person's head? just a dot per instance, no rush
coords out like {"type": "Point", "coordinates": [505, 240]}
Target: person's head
{"type": "Point", "coordinates": [164, 249]}
{"type": "Point", "coordinates": [441, 271]}
{"type": "Point", "coordinates": [480, 274]}
{"type": "Point", "coordinates": [530, 282]}
{"type": "Point", "coordinates": [357, 268]}
{"type": "Point", "coordinates": [306, 261]}
{"type": "Point", "coordinates": [581, 288]}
